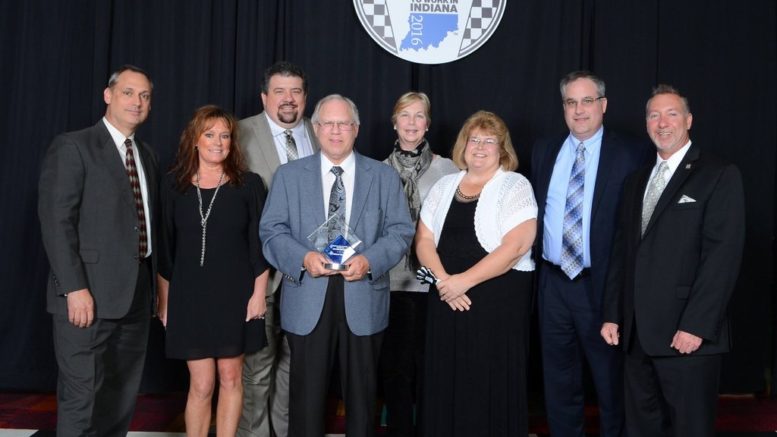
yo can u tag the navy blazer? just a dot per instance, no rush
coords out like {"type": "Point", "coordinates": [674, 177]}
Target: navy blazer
{"type": "Point", "coordinates": [617, 159]}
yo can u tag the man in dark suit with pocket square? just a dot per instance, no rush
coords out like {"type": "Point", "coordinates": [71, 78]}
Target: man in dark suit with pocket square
{"type": "Point", "coordinates": [96, 200]}
{"type": "Point", "coordinates": [675, 264]}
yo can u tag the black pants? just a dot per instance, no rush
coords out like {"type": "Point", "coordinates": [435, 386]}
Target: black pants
{"type": "Point", "coordinates": [312, 360]}
{"type": "Point", "coordinates": [670, 396]}
{"type": "Point", "coordinates": [402, 362]}
{"type": "Point", "coordinates": [100, 368]}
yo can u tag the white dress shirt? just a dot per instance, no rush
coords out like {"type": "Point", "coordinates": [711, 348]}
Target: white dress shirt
{"type": "Point", "coordinates": [328, 179]}
{"type": "Point", "coordinates": [300, 134]}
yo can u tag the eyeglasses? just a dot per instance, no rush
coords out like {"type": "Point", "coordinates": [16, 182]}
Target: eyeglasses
{"type": "Point", "coordinates": [341, 125]}
{"type": "Point", "coordinates": [477, 141]}
{"type": "Point", "coordinates": [585, 102]}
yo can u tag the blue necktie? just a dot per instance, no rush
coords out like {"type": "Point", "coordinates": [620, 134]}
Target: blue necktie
{"type": "Point", "coordinates": [336, 198]}
{"type": "Point", "coordinates": [572, 239]}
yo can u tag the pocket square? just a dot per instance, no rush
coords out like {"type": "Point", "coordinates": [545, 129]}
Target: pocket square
{"type": "Point", "coordinates": [686, 199]}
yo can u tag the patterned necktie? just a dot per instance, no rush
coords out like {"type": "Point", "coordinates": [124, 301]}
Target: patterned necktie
{"type": "Point", "coordinates": [656, 187]}
{"type": "Point", "coordinates": [572, 239]}
{"type": "Point", "coordinates": [336, 198]}
{"type": "Point", "coordinates": [132, 172]}
{"type": "Point", "coordinates": [291, 146]}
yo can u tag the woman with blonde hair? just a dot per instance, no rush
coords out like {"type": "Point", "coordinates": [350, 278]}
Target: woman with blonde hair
{"type": "Point", "coordinates": [475, 234]}
{"type": "Point", "coordinates": [402, 357]}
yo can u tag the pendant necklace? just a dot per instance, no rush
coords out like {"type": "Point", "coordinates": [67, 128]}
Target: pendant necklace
{"type": "Point", "coordinates": [204, 217]}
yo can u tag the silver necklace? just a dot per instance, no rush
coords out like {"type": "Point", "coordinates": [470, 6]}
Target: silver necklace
{"type": "Point", "coordinates": [204, 217]}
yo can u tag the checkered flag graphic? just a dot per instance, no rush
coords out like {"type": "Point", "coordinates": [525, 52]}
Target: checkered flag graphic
{"type": "Point", "coordinates": [380, 21]}
{"type": "Point", "coordinates": [481, 14]}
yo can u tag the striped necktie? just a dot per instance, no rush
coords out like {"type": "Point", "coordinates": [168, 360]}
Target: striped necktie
{"type": "Point", "coordinates": [137, 194]}
{"type": "Point", "coordinates": [572, 239]}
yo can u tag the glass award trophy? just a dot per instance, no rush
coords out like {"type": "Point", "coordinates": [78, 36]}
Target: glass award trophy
{"type": "Point", "coordinates": [335, 239]}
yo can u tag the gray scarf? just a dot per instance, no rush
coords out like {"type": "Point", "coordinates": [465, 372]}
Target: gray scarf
{"type": "Point", "coordinates": [410, 166]}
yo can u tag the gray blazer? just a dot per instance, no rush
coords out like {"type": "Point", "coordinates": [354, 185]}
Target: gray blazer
{"type": "Point", "coordinates": [261, 156]}
{"type": "Point", "coordinates": [379, 216]}
{"type": "Point", "coordinates": [88, 220]}
{"type": "Point", "coordinates": [259, 147]}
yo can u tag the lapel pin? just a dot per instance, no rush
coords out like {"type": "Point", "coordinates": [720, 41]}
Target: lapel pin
{"type": "Point", "coordinates": [688, 166]}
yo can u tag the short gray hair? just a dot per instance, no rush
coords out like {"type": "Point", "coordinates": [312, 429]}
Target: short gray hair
{"type": "Point", "coordinates": [354, 112]}
{"type": "Point", "coordinates": [581, 74]}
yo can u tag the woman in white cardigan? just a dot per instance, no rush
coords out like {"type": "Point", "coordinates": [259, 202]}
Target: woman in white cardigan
{"type": "Point", "coordinates": [475, 233]}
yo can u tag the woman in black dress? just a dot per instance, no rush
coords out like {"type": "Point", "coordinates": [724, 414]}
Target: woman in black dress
{"type": "Point", "coordinates": [212, 276]}
{"type": "Point", "coordinates": [475, 234]}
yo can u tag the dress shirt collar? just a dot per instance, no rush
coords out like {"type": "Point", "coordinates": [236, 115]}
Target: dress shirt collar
{"type": "Point", "coordinates": [674, 161]}
{"type": "Point", "coordinates": [590, 144]}
{"type": "Point", "coordinates": [348, 165]}
{"type": "Point", "coordinates": [118, 137]}
{"type": "Point", "coordinates": [297, 131]}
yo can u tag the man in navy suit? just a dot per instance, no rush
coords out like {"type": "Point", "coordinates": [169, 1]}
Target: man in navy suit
{"type": "Point", "coordinates": [333, 315]}
{"type": "Point", "coordinates": [675, 263]}
{"type": "Point", "coordinates": [578, 180]}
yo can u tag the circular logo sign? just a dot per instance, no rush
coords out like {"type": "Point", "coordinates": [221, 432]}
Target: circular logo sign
{"type": "Point", "coordinates": [430, 31]}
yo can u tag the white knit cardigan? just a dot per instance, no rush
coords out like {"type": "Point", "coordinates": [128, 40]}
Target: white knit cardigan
{"type": "Point", "coordinates": [506, 201]}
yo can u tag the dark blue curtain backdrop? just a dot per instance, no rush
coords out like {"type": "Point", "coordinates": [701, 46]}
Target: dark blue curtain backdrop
{"type": "Point", "coordinates": [57, 55]}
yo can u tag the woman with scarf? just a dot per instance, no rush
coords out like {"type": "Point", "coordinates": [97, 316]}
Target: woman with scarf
{"type": "Point", "coordinates": [402, 360]}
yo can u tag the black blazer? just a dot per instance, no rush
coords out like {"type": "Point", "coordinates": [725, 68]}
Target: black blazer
{"type": "Point", "coordinates": [681, 273]}
{"type": "Point", "coordinates": [618, 158]}
{"type": "Point", "coordinates": [88, 219]}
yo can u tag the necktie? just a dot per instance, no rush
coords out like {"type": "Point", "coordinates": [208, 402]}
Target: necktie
{"type": "Point", "coordinates": [291, 146]}
{"type": "Point", "coordinates": [572, 239]}
{"type": "Point", "coordinates": [336, 198]}
{"type": "Point", "coordinates": [655, 188]}
{"type": "Point", "coordinates": [132, 172]}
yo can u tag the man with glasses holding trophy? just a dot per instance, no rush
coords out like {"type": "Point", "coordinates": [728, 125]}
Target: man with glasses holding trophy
{"type": "Point", "coordinates": [334, 224]}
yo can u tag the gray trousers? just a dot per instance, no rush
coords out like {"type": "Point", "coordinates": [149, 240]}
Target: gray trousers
{"type": "Point", "coordinates": [266, 383]}
{"type": "Point", "coordinates": [100, 368]}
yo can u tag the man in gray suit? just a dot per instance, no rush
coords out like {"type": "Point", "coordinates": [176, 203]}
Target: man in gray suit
{"type": "Point", "coordinates": [276, 136]}
{"type": "Point", "coordinates": [329, 314]}
{"type": "Point", "coordinates": [97, 192]}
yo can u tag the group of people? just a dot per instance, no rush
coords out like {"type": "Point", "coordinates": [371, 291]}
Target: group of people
{"type": "Point", "coordinates": [636, 252]}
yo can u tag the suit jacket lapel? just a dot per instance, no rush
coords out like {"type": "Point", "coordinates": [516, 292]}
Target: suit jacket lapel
{"type": "Point", "coordinates": [311, 186]}
{"type": "Point", "coordinates": [606, 162]}
{"type": "Point", "coordinates": [311, 135]}
{"type": "Point", "coordinates": [548, 164]}
{"type": "Point", "coordinates": [362, 183]}
{"type": "Point", "coordinates": [149, 170]}
{"type": "Point", "coordinates": [677, 180]}
{"type": "Point", "coordinates": [262, 130]}
{"type": "Point", "coordinates": [113, 162]}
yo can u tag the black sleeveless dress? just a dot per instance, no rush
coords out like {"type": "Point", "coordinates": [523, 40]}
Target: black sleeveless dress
{"type": "Point", "coordinates": [476, 360]}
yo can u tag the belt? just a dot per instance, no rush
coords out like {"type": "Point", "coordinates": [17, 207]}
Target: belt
{"type": "Point", "coordinates": [586, 272]}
